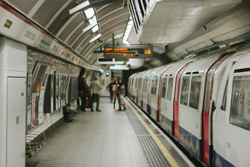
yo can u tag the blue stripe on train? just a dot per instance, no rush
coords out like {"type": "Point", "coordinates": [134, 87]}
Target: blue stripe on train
{"type": "Point", "coordinates": [167, 124]}
{"type": "Point", "coordinates": [191, 143]}
{"type": "Point", "coordinates": [219, 161]}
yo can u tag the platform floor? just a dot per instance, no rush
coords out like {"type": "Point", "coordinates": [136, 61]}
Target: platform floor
{"type": "Point", "coordinates": [93, 139]}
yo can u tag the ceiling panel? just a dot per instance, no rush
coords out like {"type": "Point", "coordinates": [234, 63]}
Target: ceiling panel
{"type": "Point", "coordinates": [118, 13]}
{"type": "Point", "coordinates": [86, 49]}
{"type": "Point", "coordinates": [113, 29]}
{"type": "Point", "coordinates": [115, 25]}
{"type": "Point", "coordinates": [47, 11]}
{"type": "Point", "coordinates": [24, 5]}
{"type": "Point", "coordinates": [71, 26]}
{"type": "Point", "coordinates": [76, 34]}
{"type": "Point", "coordinates": [85, 41]}
{"type": "Point", "coordinates": [61, 19]}
{"type": "Point", "coordinates": [109, 9]}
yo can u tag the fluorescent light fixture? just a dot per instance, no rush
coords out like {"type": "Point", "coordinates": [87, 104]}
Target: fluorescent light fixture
{"type": "Point", "coordinates": [100, 61]}
{"type": "Point", "coordinates": [89, 27]}
{"type": "Point", "coordinates": [95, 28]}
{"type": "Point", "coordinates": [92, 20]}
{"type": "Point", "coordinates": [89, 13]}
{"type": "Point", "coordinates": [95, 38]}
{"type": "Point", "coordinates": [101, 70]}
{"type": "Point", "coordinates": [79, 7]}
{"type": "Point", "coordinates": [119, 67]}
{"type": "Point", "coordinates": [127, 32]}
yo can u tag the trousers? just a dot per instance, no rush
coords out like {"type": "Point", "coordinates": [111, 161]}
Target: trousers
{"type": "Point", "coordinates": [95, 97]}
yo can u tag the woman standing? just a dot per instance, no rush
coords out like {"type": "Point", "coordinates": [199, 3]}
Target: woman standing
{"type": "Point", "coordinates": [116, 93]}
{"type": "Point", "coordinates": [122, 94]}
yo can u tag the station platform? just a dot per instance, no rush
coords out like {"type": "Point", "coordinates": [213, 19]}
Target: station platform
{"type": "Point", "coordinates": [109, 138]}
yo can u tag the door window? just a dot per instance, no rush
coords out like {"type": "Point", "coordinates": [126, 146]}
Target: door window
{"type": "Point", "coordinates": [170, 89]}
{"type": "Point", "coordinates": [154, 85]}
{"type": "Point", "coordinates": [184, 90]}
{"type": "Point", "coordinates": [195, 92]}
{"type": "Point", "coordinates": [164, 87]}
{"type": "Point", "coordinates": [145, 84]}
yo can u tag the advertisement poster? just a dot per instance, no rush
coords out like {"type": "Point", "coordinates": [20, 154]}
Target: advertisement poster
{"type": "Point", "coordinates": [42, 94]}
{"type": "Point", "coordinates": [38, 76]}
{"type": "Point", "coordinates": [29, 100]}
{"type": "Point", "coordinates": [57, 93]}
{"type": "Point", "coordinates": [52, 93]}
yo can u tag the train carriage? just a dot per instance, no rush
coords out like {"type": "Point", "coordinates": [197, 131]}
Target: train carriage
{"type": "Point", "coordinates": [154, 92]}
{"type": "Point", "coordinates": [168, 80]}
{"type": "Point", "coordinates": [231, 119]}
{"type": "Point", "coordinates": [132, 87]}
{"type": "Point", "coordinates": [146, 89]}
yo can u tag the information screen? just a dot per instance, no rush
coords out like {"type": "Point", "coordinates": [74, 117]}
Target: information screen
{"type": "Point", "coordinates": [131, 51]}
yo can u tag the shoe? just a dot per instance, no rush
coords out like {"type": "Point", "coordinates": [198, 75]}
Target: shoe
{"type": "Point", "coordinates": [92, 110]}
{"type": "Point", "coordinates": [83, 110]}
{"type": "Point", "coordinates": [124, 109]}
{"type": "Point", "coordinates": [119, 109]}
{"type": "Point", "coordinates": [98, 110]}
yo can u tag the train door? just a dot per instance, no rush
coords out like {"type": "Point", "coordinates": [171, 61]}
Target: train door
{"type": "Point", "coordinates": [176, 100]}
{"type": "Point", "coordinates": [162, 96]}
{"type": "Point", "coordinates": [206, 112]}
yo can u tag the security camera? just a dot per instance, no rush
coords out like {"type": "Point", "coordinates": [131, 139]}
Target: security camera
{"type": "Point", "coordinates": [136, 54]}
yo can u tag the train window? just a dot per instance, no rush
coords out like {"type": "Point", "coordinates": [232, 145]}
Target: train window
{"type": "Point", "coordinates": [184, 90]}
{"type": "Point", "coordinates": [136, 83]}
{"type": "Point", "coordinates": [240, 102]}
{"type": "Point", "coordinates": [224, 100]}
{"type": "Point", "coordinates": [145, 84]}
{"type": "Point", "coordinates": [195, 92]}
{"type": "Point", "coordinates": [164, 87]}
{"type": "Point", "coordinates": [170, 89]}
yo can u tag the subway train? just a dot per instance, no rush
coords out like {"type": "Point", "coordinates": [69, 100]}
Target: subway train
{"type": "Point", "coordinates": [202, 102]}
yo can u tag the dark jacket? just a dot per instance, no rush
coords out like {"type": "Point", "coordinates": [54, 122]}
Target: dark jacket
{"type": "Point", "coordinates": [84, 89]}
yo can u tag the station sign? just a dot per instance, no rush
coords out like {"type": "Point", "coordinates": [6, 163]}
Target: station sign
{"type": "Point", "coordinates": [131, 51]}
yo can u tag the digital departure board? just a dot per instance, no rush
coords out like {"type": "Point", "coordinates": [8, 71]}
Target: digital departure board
{"type": "Point", "coordinates": [131, 51]}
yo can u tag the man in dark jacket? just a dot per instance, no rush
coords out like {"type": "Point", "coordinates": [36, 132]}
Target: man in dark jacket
{"type": "Point", "coordinates": [83, 93]}
{"type": "Point", "coordinates": [111, 90]}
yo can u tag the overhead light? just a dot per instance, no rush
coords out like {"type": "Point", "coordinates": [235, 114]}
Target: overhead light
{"type": "Point", "coordinates": [119, 67]}
{"type": "Point", "coordinates": [95, 38]}
{"type": "Point", "coordinates": [127, 32]}
{"type": "Point", "coordinates": [95, 28]}
{"type": "Point", "coordinates": [79, 7]}
{"type": "Point", "coordinates": [101, 70]}
{"type": "Point", "coordinates": [92, 20]}
{"type": "Point", "coordinates": [89, 27]}
{"type": "Point", "coordinates": [89, 13]}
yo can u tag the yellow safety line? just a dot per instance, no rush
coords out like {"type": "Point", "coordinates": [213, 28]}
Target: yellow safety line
{"type": "Point", "coordinates": [169, 157]}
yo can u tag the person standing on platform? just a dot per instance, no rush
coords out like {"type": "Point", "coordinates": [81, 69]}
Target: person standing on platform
{"type": "Point", "coordinates": [111, 90]}
{"type": "Point", "coordinates": [122, 94]}
{"type": "Point", "coordinates": [116, 93]}
{"type": "Point", "coordinates": [84, 90]}
{"type": "Point", "coordinates": [95, 88]}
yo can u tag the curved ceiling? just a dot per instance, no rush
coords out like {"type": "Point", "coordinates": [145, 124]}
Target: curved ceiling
{"type": "Point", "coordinates": [53, 16]}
